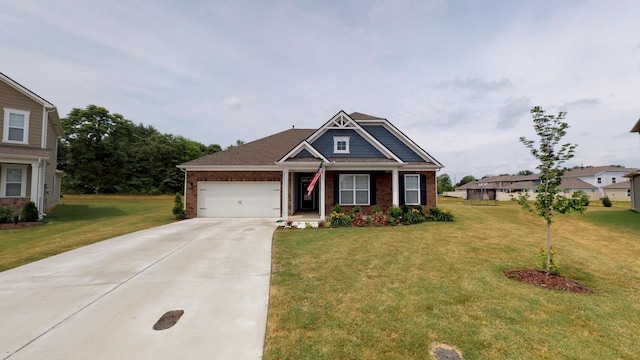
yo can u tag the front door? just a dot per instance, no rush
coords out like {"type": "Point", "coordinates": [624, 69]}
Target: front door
{"type": "Point", "coordinates": [307, 201]}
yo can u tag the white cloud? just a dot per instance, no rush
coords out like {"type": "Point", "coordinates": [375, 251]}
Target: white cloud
{"type": "Point", "coordinates": [458, 77]}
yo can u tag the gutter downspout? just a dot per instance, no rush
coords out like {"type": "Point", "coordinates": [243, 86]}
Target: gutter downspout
{"type": "Point", "coordinates": [436, 185]}
{"type": "Point", "coordinates": [184, 198]}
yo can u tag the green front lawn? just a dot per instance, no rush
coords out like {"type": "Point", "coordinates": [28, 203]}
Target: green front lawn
{"type": "Point", "coordinates": [82, 220]}
{"type": "Point", "coordinates": [394, 292]}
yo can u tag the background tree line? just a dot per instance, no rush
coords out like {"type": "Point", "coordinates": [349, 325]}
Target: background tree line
{"type": "Point", "coordinates": [103, 152]}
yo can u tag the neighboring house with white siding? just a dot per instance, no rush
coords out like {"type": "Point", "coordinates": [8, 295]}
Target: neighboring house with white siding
{"type": "Point", "coordinates": [29, 130]}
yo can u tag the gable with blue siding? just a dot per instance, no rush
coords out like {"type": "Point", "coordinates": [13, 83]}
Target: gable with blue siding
{"type": "Point", "coordinates": [304, 153]}
{"type": "Point", "coordinates": [391, 142]}
{"type": "Point", "coordinates": [358, 146]}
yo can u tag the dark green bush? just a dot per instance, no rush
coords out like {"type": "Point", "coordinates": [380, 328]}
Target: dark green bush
{"type": "Point", "coordinates": [29, 212]}
{"type": "Point", "coordinates": [606, 202]}
{"type": "Point", "coordinates": [584, 198]}
{"type": "Point", "coordinates": [178, 207]}
{"type": "Point", "coordinates": [6, 214]}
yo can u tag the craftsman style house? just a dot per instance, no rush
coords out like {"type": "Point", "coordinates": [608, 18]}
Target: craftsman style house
{"type": "Point", "coordinates": [29, 132]}
{"type": "Point", "coordinates": [361, 160]}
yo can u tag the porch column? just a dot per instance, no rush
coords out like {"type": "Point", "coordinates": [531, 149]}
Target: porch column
{"type": "Point", "coordinates": [322, 195]}
{"type": "Point", "coordinates": [394, 187]}
{"type": "Point", "coordinates": [284, 209]}
{"type": "Point", "coordinates": [35, 186]}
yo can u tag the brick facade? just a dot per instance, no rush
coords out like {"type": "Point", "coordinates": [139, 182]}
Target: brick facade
{"type": "Point", "coordinates": [14, 203]}
{"type": "Point", "coordinates": [384, 195]}
{"type": "Point", "coordinates": [194, 176]}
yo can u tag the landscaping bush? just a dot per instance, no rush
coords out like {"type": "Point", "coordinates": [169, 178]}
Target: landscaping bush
{"type": "Point", "coordinates": [375, 209]}
{"type": "Point", "coordinates": [395, 212]}
{"type": "Point", "coordinates": [357, 219]}
{"type": "Point", "coordinates": [178, 207]}
{"type": "Point", "coordinates": [606, 202]}
{"type": "Point", "coordinates": [6, 214]}
{"type": "Point", "coordinates": [438, 214]}
{"type": "Point", "coordinates": [29, 212]}
{"type": "Point", "coordinates": [339, 219]}
{"type": "Point", "coordinates": [584, 198]}
{"type": "Point", "coordinates": [414, 216]}
{"type": "Point", "coordinates": [379, 219]}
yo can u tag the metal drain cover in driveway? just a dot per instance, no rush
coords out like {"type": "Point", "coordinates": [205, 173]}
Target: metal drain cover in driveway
{"type": "Point", "coordinates": [167, 320]}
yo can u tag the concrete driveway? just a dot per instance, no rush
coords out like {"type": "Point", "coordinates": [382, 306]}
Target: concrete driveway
{"type": "Point", "coordinates": [101, 301]}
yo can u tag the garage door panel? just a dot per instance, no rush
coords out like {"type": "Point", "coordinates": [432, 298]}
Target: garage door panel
{"type": "Point", "coordinates": [238, 199]}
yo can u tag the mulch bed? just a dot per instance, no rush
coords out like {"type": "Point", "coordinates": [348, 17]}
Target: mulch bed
{"type": "Point", "coordinates": [552, 282]}
{"type": "Point", "coordinates": [20, 225]}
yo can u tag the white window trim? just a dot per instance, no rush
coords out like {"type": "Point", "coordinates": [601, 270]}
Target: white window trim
{"type": "Point", "coordinates": [354, 190]}
{"type": "Point", "coordinates": [23, 186]}
{"type": "Point", "coordinates": [338, 139]}
{"type": "Point", "coordinates": [408, 189]}
{"type": "Point", "coordinates": [5, 130]}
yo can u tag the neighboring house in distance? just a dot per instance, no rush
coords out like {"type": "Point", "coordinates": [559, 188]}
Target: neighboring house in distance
{"type": "Point", "coordinates": [599, 176]}
{"type": "Point", "coordinates": [620, 191]}
{"type": "Point", "coordinates": [634, 178]}
{"type": "Point", "coordinates": [366, 161]}
{"type": "Point", "coordinates": [29, 131]}
{"type": "Point", "coordinates": [596, 182]}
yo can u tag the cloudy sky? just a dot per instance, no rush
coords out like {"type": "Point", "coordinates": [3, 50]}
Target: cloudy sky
{"type": "Point", "coordinates": [458, 77]}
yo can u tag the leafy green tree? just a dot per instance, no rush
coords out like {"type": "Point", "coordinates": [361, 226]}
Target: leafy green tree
{"type": "Point", "coordinates": [96, 148]}
{"type": "Point", "coordinates": [103, 152]}
{"type": "Point", "coordinates": [466, 179]}
{"type": "Point", "coordinates": [550, 200]}
{"type": "Point", "coordinates": [444, 183]}
{"type": "Point", "coordinates": [238, 143]}
{"type": "Point", "coordinates": [525, 172]}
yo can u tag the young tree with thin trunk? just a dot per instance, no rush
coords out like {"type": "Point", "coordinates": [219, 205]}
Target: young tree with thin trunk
{"type": "Point", "coordinates": [550, 199]}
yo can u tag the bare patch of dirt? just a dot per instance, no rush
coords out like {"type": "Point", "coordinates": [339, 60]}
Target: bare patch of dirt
{"type": "Point", "coordinates": [552, 282]}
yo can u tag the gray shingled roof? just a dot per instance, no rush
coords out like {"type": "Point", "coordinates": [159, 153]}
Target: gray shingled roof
{"type": "Point", "coordinates": [619, 185]}
{"type": "Point", "coordinates": [591, 171]}
{"type": "Point", "coordinates": [360, 116]}
{"type": "Point", "coordinates": [265, 151]}
{"type": "Point", "coordinates": [636, 127]}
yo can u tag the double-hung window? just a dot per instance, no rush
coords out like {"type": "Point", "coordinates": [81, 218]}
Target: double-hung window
{"type": "Point", "coordinates": [16, 126]}
{"type": "Point", "coordinates": [14, 182]}
{"type": "Point", "coordinates": [354, 189]}
{"type": "Point", "coordinates": [412, 189]}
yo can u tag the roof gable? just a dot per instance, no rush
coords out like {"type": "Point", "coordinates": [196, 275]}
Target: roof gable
{"type": "Point", "coordinates": [304, 151]}
{"type": "Point", "coordinates": [341, 121]}
{"type": "Point", "coordinates": [595, 170]}
{"type": "Point", "coordinates": [51, 109]}
{"type": "Point", "coordinates": [384, 144]}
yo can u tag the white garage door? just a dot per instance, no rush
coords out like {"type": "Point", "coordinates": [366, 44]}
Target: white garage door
{"type": "Point", "coordinates": [239, 199]}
